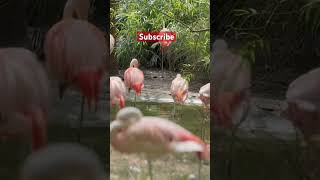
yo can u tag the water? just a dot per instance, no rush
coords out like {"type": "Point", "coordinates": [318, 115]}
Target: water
{"type": "Point", "coordinates": [265, 147]}
{"type": "Point", "coordinates": [63, 128]}
{"type": "Point", "coordinates": [177, 166]}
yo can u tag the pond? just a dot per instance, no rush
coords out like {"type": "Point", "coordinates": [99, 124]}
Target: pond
{"type": "Point", "coordinates": [252, 159]}
{"type": "Point", "coordinates": [175, 166]}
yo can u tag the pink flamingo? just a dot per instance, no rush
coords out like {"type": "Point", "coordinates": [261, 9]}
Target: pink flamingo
{"type": "Point", "coordinates": [232, 78]}
{"type": "Point", "coordinates": [134, 78]}
{"type": "Point", "coordinates": [164, 46]}
{"type": "Point", "coordinates": [231, 96]}
{"type": "Point", "coordinates": [24, 96]}
{"type": "Point", "coordinates": [303, 98]}
{"type": "Point", "coordinates": [179, 91]}
{"type": "Point", "coordinates": [63, 162]}
{"type": "Point", "coordinates": [76, 56]}
{"type": "Point", "coordinates": [204, 94]}
{"type": "Point", "coordinates": [117, 91]}
{"type": "Point", "coordinates": [132, 132]}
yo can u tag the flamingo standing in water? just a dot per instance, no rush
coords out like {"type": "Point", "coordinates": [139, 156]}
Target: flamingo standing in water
{"type": "Point", "coordinates": [76, 56]}
{"type": "Point", "coordinates": [63, 162]}
{"type": "Point", "coordinates": [132, 132]}
{"type": "Point", "coordinates": [303, 99]}
{"type": "Point", "coordinates": [134, 78]}
{"type": "Point", "coordinates": [232, 78]}
{"type": "Point", "coordinates": [231, 96]}
{"type": "Point", "coordinates": [179, 91]}
{"type": "Point", "coordinates": [24, 96]}
{"type": "Point", "coordinates": [117, 91]}
{"type": "Point", "coordinates": [164, 46]}
{"type": "Point", "coordinates": [204, 96]}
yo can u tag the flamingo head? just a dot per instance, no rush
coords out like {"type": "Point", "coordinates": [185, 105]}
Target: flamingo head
{"type": "Point", "coordinates": [129, 115]}
{"type": "Point", "coordinates": [124, 118]}
{"type": "Point", "coordinates": [134, 63]}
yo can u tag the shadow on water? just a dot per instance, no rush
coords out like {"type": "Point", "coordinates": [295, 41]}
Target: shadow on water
{"type": "Point", "coordinates": [177, 166]}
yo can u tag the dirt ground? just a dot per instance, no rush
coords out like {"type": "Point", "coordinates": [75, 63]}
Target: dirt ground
{"type": "Point", "coordinates": [153, 80]}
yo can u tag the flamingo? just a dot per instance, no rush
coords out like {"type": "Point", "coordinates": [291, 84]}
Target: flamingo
{"type": "Point", "coordinates": [117, 91]}
{"type": "Point", "coordinates": [232, 78]}
{"type": "Point", "coordinates": [76, 56]}
{"type": "Point", "coordinates": [303, 110]}
{"type": "Point", "coordinates": [204, 96]}
{"type": "Point", "coordinates": [179, 91]}
{"type": "Point", "coordinates": [24, 96]}
{"type": "Point", "coordinates": [112, 42]}
{"type": "Point", "coordinates": [164, 46]}
{"type": "Point", "coordinates": [63, 162]}
{"type": "Point", "coordinates": [132, 132]}
{"type": "Point", "coordinates": [134, 78]}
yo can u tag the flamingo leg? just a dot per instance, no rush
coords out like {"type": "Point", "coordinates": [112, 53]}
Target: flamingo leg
{"type": "Point", "coordinates": [135, 99]}
{"type": "Point", "coordinates": [162, 76]}
{"type": "Point", "coordinates": [233, 138]}
{"type": "Point", "coordinates": [174, 109]}
{"type": "Point", "coordinates": [150, 169]}
{"type": "Point", "coordinates": [199, 170]}
{"type": "Point", "coordinates": [81, 119]}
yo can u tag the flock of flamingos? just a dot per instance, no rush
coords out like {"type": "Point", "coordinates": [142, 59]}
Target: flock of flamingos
{"type": "Point", "coordinates": [76, 55]}
{"type": "Point", "coordinates": [76, 52]}
{"type": "Point", "coordinates": [131, 132]}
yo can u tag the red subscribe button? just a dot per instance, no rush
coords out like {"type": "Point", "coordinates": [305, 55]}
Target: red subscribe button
{"type": "Point", "coordinates": [166, 37]}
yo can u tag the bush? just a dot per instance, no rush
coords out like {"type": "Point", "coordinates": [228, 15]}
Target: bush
{"type": "Point", "coordinates": [189, 19]}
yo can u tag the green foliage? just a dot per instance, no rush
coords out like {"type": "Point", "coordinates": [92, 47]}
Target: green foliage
{"type": "Point", "coordinates": [275, 31]}
{"type": "Point", "coordinates": [311, 13]}
{"type": "Point", "coordinates": [188, 18]}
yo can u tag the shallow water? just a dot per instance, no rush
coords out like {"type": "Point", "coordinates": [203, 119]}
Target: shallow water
{"type": "Point", "coordinates": [178, 166]}
{"type": "Point", "coordinates": [252, 159]}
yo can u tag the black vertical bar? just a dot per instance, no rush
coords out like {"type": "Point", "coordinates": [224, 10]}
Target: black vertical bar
{"type": "Point", "coordinates": [106, 24]}
{"type": "Point", "coordinates": [213, 21]}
